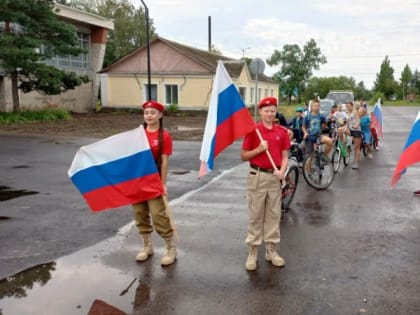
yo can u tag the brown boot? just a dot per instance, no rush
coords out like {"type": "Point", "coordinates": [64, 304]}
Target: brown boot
{"type": "Point", "coordinates": [170, 254]}
{"type": "Point", "coordinates": [147, 249]}
{"type": "Point", "coordinates": [272, 255]}
{"type": "Point", "coordinates": [251, 262]}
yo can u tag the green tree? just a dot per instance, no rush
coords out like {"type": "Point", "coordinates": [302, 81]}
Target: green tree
{"type": "Point", "coordinates": [296, 66]}
{"type": "Point", "coordinates": [406, 77]}
{"type": "Point", "coordinates": [129, 25]}
{"type": "Point", "coordinates": [33, 34]}
{"type": "Point", "coordinates": [385, 82]}
{"type": "Point", "coordinates": [415, 81]}
{"type": "Point", "coordinates": [361, 92]}
{"type": "Point", "coordinates": [321, 86]}
{"type": "Point", "coordinates": [215, 50]}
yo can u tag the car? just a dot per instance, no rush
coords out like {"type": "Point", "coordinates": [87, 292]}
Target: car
{"type": "Point", "coordinates": [325, 106]}
{"type": "Point", "coordinates": [341, 96]}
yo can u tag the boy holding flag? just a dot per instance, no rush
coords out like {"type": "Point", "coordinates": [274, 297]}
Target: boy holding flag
{"type": "Point", "coordinates": [268, 143]}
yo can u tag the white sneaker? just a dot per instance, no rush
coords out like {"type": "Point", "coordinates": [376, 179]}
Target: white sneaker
{"type": "Point", "coordinates": [370, 157]}
{"type": "Point", "coordinates": [355, 166]}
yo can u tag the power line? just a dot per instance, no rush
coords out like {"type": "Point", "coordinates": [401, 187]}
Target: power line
{"type": "Point", "coordinates": [373, 56]}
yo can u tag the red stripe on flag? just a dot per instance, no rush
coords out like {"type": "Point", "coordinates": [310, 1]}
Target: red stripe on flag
{"type": "Point", "coordinates": [377, 125]}
{"type": "Point", "coordinates": [408, 157]}
{"type": "Point", "coordinates": [126, 193]}
{"type": "Point", "coordinates": [236, 126]}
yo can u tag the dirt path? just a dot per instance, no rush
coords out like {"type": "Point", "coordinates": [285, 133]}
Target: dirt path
{"type": "Point", "coordinates": [182, 126]}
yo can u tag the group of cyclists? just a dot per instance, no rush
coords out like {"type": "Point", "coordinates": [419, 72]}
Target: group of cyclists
{"type": "Point", "coordinates": [343, 120]}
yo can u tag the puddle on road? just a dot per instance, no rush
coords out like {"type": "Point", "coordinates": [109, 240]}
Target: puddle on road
{"type": "Point", "coordinates": [17, 285]}
{"type": "Point", "coordinates": [7, 193]}
{"type": "Point", "coordinates": [315, 213]}
{"type": "Point", "coordinates": [180, 172]}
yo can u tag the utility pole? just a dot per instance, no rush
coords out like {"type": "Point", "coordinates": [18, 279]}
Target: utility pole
{"type": "Point", "coordinates": [149, 83]}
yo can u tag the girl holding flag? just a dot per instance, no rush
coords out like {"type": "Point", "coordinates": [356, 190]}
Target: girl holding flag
{"type": "Point", "coordinates": [161, 146]}
{"type": "Point", "coordinates": [267, 144]}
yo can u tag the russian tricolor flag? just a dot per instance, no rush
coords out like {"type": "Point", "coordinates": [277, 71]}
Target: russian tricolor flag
{"type": "Point", "coordinates": [376, 117]}
{"type": "Point", "coordinates": [411, 152]}
{"type": "Point", "coordinates": [116, 171]}
{"type": "Point", "coordinates": [227, 120]}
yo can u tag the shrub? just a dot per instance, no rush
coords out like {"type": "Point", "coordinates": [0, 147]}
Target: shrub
{"type": "Point", "coordinates": [173, 108]}
{"type": "Point", "coordinates": [48, 114]}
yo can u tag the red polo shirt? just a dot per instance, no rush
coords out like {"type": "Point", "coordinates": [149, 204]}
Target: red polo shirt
{"type": "Point", "coordinates": [277, 139]}
{"type": "Point", "coordinates": [153, 137]}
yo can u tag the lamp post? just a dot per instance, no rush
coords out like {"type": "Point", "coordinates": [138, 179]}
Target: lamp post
{"type": "Point", "coordinates": [149, 83]}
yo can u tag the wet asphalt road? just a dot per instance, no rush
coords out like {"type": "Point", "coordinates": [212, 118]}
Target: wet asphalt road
{"type": "Point", "coordinates": [354, 249]}
{"type": "Point", "coordinates": [55, 221]}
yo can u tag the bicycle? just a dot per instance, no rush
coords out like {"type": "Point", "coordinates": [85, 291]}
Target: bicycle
{"type": "Point", "coordinates": [342, 152]}
{"type": "Point", "coordinates": [364, 147]}
{"type": "Point", "coordinates": [318, 170]}
{"type": "Point", "coordinates": [289, 186]}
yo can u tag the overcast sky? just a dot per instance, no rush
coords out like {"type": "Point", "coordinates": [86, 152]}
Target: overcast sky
{"type": "Point", "coordinates": [354, 35]}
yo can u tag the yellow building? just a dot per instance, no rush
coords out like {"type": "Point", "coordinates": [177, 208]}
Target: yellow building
{"type": "Point", "coordinates": [180, 75]}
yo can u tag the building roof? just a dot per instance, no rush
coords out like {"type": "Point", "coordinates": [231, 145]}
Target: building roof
{"type": "Point", "coordinates": [83, 17]}
{"type": "Point", "coordinates": [206, 59]}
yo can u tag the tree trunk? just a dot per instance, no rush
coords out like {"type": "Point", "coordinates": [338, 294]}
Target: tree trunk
{"type": "Point", "coordinates": [15, 92]}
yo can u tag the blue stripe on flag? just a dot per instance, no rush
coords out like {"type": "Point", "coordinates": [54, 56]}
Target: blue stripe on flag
{"type": "Point", "coordinates": [414, 134]}
{"type": "Point", "coordinates": [210, 160]}
{"type": "Point", "coordinates": [134, 166]}
{"type": "Point", "coordinates": [229, 102]}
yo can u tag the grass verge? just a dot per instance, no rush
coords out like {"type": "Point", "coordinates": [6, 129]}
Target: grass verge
{"type": "Point", "coordinates": [48, 114]}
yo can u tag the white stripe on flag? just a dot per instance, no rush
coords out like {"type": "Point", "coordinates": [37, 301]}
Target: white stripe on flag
{"type": "Point", "coordinates": [110, 149]}
{"type": "Point", "coordinates": [221, 82]}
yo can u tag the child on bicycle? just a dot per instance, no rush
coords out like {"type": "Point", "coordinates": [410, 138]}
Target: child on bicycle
{"type": "Point", "coordinates": [295, 125]}
{"type": "Point", "coordinates": [313, 124]}
{"type": "Point", "coordinates": [365, 124]}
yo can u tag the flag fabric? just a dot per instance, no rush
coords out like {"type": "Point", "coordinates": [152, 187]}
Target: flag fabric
{"type": "Point", "coordinates": [410, 153]}
{"type": "Point", "coordinates": [116, 171]}
{"type": "Point", "coordinates": [227, 120]}
{"type": "Point", "coordinates": [377, 121]}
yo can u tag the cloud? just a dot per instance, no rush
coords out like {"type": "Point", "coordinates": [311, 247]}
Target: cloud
{"type": "Point", "coordinates": [354, 35]}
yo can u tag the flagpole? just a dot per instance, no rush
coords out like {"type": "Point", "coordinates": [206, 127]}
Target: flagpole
{"type": "Point", "coordinates": [266, 151]}
{"type": "Point", "coordinates": [149, 84]}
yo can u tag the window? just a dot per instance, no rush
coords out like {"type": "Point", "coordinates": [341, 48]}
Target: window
{"type": "Point", "coordinates": [153, 91]}
{"type": "Point", "coordinates": [259, 93]}
{"type": "Point", "coordinates": [171, 94]}
{"type": "Point", "coordinates": [69, 61]}
{"type": "Point", "coordinates": [265, 92]}
{"type": "Point", "coordinates": [252, 95]}
{"type": "Point", "coordinates": [272, 92]}
{"type": "Point", "coordinates": [242, 93]}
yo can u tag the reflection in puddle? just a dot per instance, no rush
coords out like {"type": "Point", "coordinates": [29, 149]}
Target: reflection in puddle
{"type": "Point", "coordinates": [17, 285]}
{"type": "Point", "coordinates": [7, 193]}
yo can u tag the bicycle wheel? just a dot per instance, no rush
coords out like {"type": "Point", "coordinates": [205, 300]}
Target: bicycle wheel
{"type": "Point", "coordinates": [318, 170]}
{"type": "Point", "coordinates": [336, 157]}
{"type": "Point", "coordinates": [346, 157]}
{"type": "Point", "coordinates": [289, 189]}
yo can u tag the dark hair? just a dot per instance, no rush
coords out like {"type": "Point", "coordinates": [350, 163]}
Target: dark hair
{"type": "Point", "coordinates": [316, 101]}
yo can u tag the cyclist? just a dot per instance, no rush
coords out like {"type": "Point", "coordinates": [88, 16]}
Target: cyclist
{"type": "Point", "coordinates": [353, 129]}
{"type": "Point", "coordinates": [365, 124]}
{"type": "Point", "coordinates": [295, 125]}
{"type": "Point", "coordinates": [281, 120]}
{"type": "Point", "coordinates": [313, 124]}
